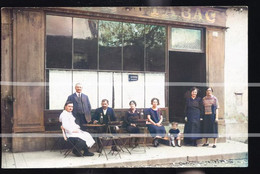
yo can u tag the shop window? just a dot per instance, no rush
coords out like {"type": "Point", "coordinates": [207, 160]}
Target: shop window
{"type": "Point", "coordinates": [89, 83]}
{"type": "Point", "coordinates": [59, 42]}
{"type": "Point", "coordinates": [133, 90]}
{"type": "Point", "coordinates": [133, 48]}
{"type": "Point", "coordinates": [105, 87]}
{"type": "Point", "coordinates": [155, 37]}
{"type": "Point", "coordinates": [60, 87]}
{"type": "Point", "coordinates": [101, 55]}
{"type": "Point", "coordinates": [117, 91]}
{"type": "Point", "coordinates": [183, 39]}
{"type": "Point", "coordinates": [110, 45]}
{"type": "Point", "coordinates": [85, 38]}
{"type": "Point", "coordinates": [154, 87]}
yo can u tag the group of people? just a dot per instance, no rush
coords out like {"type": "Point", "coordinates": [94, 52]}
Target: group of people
{"type": "Point", "coordinates": [201, 116]}
{"type": "Point", "coordinates": [77, 113]}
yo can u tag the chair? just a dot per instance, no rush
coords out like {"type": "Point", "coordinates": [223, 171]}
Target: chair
{"type": "Point", "coordinates": [74, 146]}
{"type": "Point", "coordinates": [59, 143]}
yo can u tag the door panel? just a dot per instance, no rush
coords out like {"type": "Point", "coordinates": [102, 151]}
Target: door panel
{"type": "Point", "coordinates": [28, 72]}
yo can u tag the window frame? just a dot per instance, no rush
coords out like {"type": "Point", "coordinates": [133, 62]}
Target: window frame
{"type": "Point", "coordinates": [202, 37]}
{"type": "Point", "coordinates": [99, 70]}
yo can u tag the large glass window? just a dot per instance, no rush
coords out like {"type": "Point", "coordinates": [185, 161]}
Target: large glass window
{"type": "Point", "coordinates": [85, 38]}
{"type": "Point", "coordinates": [155, 36]}
{"type": "Point", "coordinates": [59, 42]}
{"type": "Point", "coordinates": [110, 45]}
{"type": "Point", "coordinates": [133, 49]}
{"type": "Point", "coordinates": [102, 55]}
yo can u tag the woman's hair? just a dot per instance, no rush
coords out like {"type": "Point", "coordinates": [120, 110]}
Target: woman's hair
{"type": "Point", "coordinates": [132, 101]}
{"type": "Point", "coordinates": [105, 100]}
{"type": "Point", "coordinates": [193, 89]}
{"type": "Point", "coordinates": [67, 102]}
{"type": "Point", "coordinates": [210, 88]}
{"type": "Point", "coordinates": [155, 99]}
{"type": "Point", "coordinates": [174, 123]}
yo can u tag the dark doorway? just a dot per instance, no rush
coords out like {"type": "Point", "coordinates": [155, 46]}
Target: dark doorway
{"type": "Point", "coordinates": [184, 67]}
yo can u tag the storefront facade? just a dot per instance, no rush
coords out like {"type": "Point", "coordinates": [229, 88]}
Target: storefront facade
{"type": "Point", "coordinates": [118, 53]}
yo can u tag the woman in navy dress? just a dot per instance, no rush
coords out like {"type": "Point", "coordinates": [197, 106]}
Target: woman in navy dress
{"type": "Point", "coordinates": [210, 118]}
{"type": "Point", "coordinates": [192, 117]}
{"type": "Point", "coordinates": [155, 119]}
{"type": "Point", "coordinates": [132, 116]}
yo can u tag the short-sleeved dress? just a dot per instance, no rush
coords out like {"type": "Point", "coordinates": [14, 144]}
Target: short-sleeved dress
{"type": "Point", "coordinates": [155, 130]}
{"type": "Point", "coordinates": [132, 117]}
{"type": "Point", "coordinates": [210, 127]}
{"type": "Point", "coordinates": [192, 127]}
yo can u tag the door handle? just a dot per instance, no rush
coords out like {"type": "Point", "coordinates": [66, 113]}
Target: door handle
{"type": "Point", "coordinates": [11, 99]}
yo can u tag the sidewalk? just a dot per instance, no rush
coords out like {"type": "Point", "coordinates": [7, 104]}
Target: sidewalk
{"type": "Point", "coordinates": [138, 158]}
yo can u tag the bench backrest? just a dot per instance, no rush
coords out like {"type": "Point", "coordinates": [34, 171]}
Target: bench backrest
{"type": "Point", "coordinates": [51, 117]}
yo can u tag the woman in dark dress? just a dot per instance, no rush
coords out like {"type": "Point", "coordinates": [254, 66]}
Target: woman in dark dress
{"type": "Point", "coordinates": [210, 118]}
{"type": "Point", "coordinates": [154, 124]}
{"type": "Point", "coordinates": [192, 113]}
{"type": "Point", "coordinates": [132, 116]}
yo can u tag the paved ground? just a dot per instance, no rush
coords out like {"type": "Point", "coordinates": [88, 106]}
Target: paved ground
{"type": "Point", "coordinates": [162, 156]}
{"type": "Point", "coordinates": [205, 164]}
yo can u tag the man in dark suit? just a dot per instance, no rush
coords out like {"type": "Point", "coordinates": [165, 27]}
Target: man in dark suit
{"type": "Point", "coordinates": [82, 107]}
{"type": "Point", "coordinates": [104, 115]}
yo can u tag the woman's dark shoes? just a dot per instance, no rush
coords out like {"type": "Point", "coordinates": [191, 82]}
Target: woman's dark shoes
{"type": "Point", "coordinates": [155, 142]}
{"type": "Point", "coordinates": [214, 146]}
{"type": "Point", "coordinates": [205, 144]}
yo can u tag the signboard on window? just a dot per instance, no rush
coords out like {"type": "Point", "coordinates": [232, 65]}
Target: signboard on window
{"type": "Point", "coordinates": [132, 77]}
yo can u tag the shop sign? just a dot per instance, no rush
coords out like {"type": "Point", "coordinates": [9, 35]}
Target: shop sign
{"type": "Point", "coordinates": [132, 77]}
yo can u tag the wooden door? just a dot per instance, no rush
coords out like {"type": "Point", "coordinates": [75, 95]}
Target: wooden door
{"type": "Point", "coordinates": [28, 71]}
{"type": "Point", "coordinates": [216, 62]}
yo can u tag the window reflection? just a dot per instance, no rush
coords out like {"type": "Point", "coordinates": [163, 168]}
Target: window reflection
{"type": "Point", "coordinates": [133, 50]}
{"type": "Point", "coordinates": [59, 41]}
{"type": "Point", "coordinates": [155, 48]}
{"type": "Point", "coordinates": [110, 45]}
{"type": "Point", "coordinates": [85, 35]}
{"type": "Point", "coordinates": [186, 39]}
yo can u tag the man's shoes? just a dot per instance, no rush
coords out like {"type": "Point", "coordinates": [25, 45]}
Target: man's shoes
{"type": "Point", "coordinates": [214, 146]}
{"type": "Point", "coordinates": [75, 152]}
{"type": "Point", "coordinates": [115, 148]}
{"type": "Point", "coordinates": [87, 153]}
{"type": "Point", "coordinates": [205, 144]}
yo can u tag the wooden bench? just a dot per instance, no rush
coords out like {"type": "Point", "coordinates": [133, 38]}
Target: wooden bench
{"type": "Point", "coordinates": [52, 124]}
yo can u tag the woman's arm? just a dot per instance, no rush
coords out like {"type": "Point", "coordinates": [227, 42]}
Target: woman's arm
{"type": "Point", "coordinates": [150, 120]}
{"type": "Point", "coordinates": [217, 114]}
{"type": "Point", "coordinates": [161, 119]}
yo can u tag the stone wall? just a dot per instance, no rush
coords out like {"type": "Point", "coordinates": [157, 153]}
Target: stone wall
{"type": "Point", "coordinates": [236, 73]}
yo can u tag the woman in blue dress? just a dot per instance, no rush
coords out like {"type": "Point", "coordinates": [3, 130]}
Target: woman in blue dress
{"type": "Point", "coordinates": [154, 124]}
{"type": "Point", "coordinates": [192, 113]}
